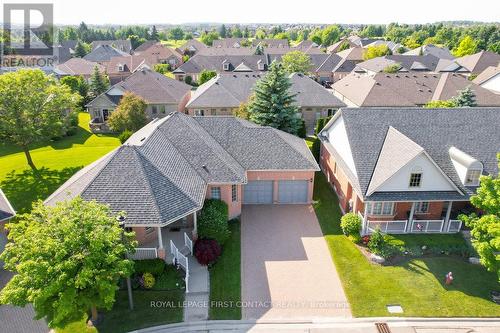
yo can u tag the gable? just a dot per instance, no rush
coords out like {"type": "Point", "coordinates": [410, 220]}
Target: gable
{"type": "Point", "coordinates": [433, 178]}
{"type": "Point", "coordinates": [337, 136]}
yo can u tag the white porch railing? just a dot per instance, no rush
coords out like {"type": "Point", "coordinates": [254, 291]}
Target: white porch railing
{"type": "Point", "coordinates": [180, 259]}
{"type": "Point", "coordinates": [188, 243]}
{"type": "Point", "coordinates": [142, 253]}
{"type": "Point", "coordinates": [392, 227]}
{"type": "Point", "coordinates": [427, 226]}
{"type": "Point", "coordinates": [454, 226]}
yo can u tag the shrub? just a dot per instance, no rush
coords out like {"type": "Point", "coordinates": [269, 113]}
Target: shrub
{"type": "Point", "coordinates": [188, 79]}
{"type": "Point", "coordinates": [320, 123]}
{"type": "Point", "coordinates": [124, 136]}
{"type": "Point", "coordinates": [316, 149]}
{"type": "Point", "coordinates": [350, 224]}
{"type": "Point", "coordinates": [148, 280]}
{"type": "Point", "coordinates": [212, 222]}
{"type": "Point", "coordinates": [376, 242]}
{"type": "Point", "coordinates": [153, 266]}
{"type": "Point", "coordinates": [207, 251]}
{"type": "Point", "coordinates": [301, 133]}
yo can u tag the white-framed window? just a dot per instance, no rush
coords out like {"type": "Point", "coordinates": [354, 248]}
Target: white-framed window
{"type": "Point", "coordinates": [380, 208]}
{"type": "Point", "coordinates": [121, 68]}
{"type": "Point", "coordinates": [415, 179]}
{"type": "Point", "coordinates": [225, 66]}
{"type": "Point", "coordinates": [472, 177]}
{"type": "Point", "coordinates": [154, 110]}
{"type": "Point", "coordinates": [260, 66]}
{"type": "Point", "coordinates": [199, 112]}
{"type": "Point", "coordinates": [234, 193]}
{"type": "Point", "coordinates": [422, 207]}
{"type": "Point", "coordinates": [215, 193]}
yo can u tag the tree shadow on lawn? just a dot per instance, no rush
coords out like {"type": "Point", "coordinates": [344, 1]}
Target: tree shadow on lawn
{"type": "Point", "coordinates": [472, 280]}
{"type": "Point", "coordinates": [23, 188]}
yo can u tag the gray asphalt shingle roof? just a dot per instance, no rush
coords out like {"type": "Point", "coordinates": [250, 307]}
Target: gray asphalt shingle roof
{"type": "Point", "coordinates": [161, 173]}
{"type": "Point", "coordinates": [435, 130]}
{"type": "Point", "coordinates": [6, 210]}
{"type": "Point", "coordinates": [103, 53]}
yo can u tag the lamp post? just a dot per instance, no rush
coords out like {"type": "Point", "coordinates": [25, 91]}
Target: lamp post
{"type": "Point", "coordinates": [121, 222]}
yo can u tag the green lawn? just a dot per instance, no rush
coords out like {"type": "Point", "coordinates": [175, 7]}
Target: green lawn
{"type": "Point", "coordinates": [167, 309]}
{"type": "Point", "coordinates": [417, 284]}
{"type": "Point", "coordinates": [174, 43]}
{"type": "Point", "coordinates": [225, 278]}
{"type": "Point", "coordinates": [56, 161]}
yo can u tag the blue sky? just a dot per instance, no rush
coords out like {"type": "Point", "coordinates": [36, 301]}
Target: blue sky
{"type": "Point", "coordinates": [269, 11]}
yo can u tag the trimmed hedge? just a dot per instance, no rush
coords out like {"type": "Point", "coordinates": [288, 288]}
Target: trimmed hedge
{"type": "Point", "coordinates": [212, 222]}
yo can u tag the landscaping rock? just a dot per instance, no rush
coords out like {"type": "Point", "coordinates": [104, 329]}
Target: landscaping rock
{"type": "Point", "coordinates": [376, 258]}
{"type": "Point", "coordinates": [474, 261]}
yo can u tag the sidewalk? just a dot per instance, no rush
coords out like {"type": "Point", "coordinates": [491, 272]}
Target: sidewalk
{"type": "Point", "coordinates": [197, 299]}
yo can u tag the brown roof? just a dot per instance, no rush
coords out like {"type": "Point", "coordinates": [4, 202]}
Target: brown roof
{"type": "Point", "coordinates": [192, 42]}
{"type": "Point", "coordinates": [487, 74]}
{"type": "Point", "coordinates": [79, 66]}
{"type": "Point", "coordinates": [408, 89]}
{"type": "Point", "coordinates": [478, 62]}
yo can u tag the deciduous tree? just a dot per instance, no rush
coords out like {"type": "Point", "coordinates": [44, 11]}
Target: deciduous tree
{"type": "Point", "coordinates": [130, 114]}
{"type": "Point", "coordinates": [467, 46]}
{"type": "Point", "coordinates": [296, 62]}
{"type": "Point", "coordinates": [206, 75]}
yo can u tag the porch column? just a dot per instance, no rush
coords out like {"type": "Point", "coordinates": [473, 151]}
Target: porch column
{"type": "Point", "coordinates": [195, 229]}
{"type": "Point", "coordinates": [410, 218]}
{"type": "Point", "coordinates": [365, 220]}
{"type": "Point", "coordinates": [160, 240]}
{"type": "Point", "coordinates": [447, 218]}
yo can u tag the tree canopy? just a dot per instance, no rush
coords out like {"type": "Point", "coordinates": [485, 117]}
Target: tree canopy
{"type": "Point", "coordinates": [99, 83]}
{"type": "Point", "coordinates": [376, 51]}
{"type": "Point", "coordinates": [206, 75]}
{"type": "Point", "coordinates": [68, 260]}
{"type": "Point", "coordinates": [34, 108]}
{"type": "Point", "coordinates": [296, 62]}
{"type": "Point", "coordinates": [467, 46]}
{"type": "Point", "coordinates": [485, 229]}
{"type": "Point", "coordinates": [274, 104]}
{"type": "Point", "coordinates": [208, 37]}
{"type": "Point", "coordinates": [130, 114]}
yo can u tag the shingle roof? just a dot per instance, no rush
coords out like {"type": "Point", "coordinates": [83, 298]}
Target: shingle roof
{"type": "Point", "coordinates": [408, 89]}
{"type": "Point", "coordinates": [194, 43]}
{"type": "Point", "coordinates": [214, 62]}
{"type": "Point", "coordinates": [79, 66]}
{"type": "Point", "coordinates": [437, 51]}
{"type": "Point", "coordinates": [124, 45]}
{"type": "Point", "coordinates": [230, 90]}
{"type": "Point", "coordinates": [435, 130]}
{"type": "Point", "coordinates": [161, 173]}
{"type": "Point", "coordinates": [487, 74]}
{"type": "Point", "coordinates": [6, 210]}
{"type": "Point", "coordinates": [103, 53]}
{"type": "Point", "coordinates": [478, 62]}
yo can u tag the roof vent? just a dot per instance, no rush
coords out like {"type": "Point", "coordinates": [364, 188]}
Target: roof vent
{"type": "Point", "coordinates": [204, 167]}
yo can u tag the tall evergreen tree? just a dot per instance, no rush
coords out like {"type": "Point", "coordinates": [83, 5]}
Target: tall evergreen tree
{"type": "Point", "coordinates": [154, 33]}
{"type": "Point", "coordinates": [80, 50]}
{"type": "Point", "coordinates": [98, 83]}
{"type": "Point", "coordinates": [223, 31]}
{"type": "Point", "coordinates": [465, 98]}
{"type": "Point", "coordinates": [274, 104]}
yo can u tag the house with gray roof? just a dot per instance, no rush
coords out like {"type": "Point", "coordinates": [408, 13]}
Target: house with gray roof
{"type": "Point", "coordinates": [191, 47]}
{"type": "Point", "coordinates": [161, 176]}
{"type": "Point", "coordinates": [409, 170]}
{"type": "Point", "coordinates": [489, 79]}
{"type": "Point", "coordinates": [162, 95]}
{"type": "Point", "coordinates": [438, 51]}
{"type": "Point", "coordinates": [6, 210]}
{"type": "Point", "coordinates": [478, 62]}
{"type": "Point", "coordinates": [79, 67]}
{"type": "Point", "coordinates": [124, 45]}
{"type": "Point", "coordinates": [102, 54]}
{"type": "Point", "coordinates": [223, 94]}
{"type": "Point", "coordinates": [407, 89]}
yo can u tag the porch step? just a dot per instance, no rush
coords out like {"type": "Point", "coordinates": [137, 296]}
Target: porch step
{"type": "Point", "coordinates": [185, 251]}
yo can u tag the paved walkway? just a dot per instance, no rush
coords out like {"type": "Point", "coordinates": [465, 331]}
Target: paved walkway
{"type": "Point", "coordinates": [287, 270]}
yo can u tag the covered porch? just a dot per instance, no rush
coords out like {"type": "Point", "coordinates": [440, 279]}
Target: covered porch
{"type": "Point", "coordinates": [422, 217]}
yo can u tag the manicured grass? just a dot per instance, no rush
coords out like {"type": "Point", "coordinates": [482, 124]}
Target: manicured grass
{"type": "Point", "coordinates": [151, 308]}
{"type": "Point", "coordinates": [417, 285]}
{"type": "Point", "coordinates": [225, 278]}
{"type": "Point", "coordinates": [169, 279]}
{"type": "Point", "coordinates": [310, 141]}
{"type": "Point", "coordinates": [56, 161]}
{"type": "Point", "coordinates": [173, 43]}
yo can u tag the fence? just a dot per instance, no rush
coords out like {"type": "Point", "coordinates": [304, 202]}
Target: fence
{"type": "Point", "coordinates": [142, 253]}
{"type": "Point", "coordinates": [427, 226]}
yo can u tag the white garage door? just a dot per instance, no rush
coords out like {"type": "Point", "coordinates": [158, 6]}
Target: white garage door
{"type": "Point", "coordinates": [293, 191]}
{"type": "Point", "coordinates": [258, 192]}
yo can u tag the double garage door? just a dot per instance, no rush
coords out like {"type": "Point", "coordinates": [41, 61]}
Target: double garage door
{"type": "Point", "coordinates": [289, 191]}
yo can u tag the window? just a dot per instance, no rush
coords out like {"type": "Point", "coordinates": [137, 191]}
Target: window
{"type": "Point", "coordinates": [153, 109]}
{"type": "Point", "coordinates": [331, 112]}
{"type": "Point", "coordinates": [472, 177]}
{"type": "Point", "coordinates": [416, 179]}
{"type": "Point", "coordinates": [422, 207]}
{"type": "Point", "coordinates": [149, 230]}
{"type": "Point", "coordinates": [213, 112]}
{"type": "Point", "coordinates": [199, 112]}
{"type": "Point", "coordinates": [215, 193]}
{"type": "Point", "coordinates": [162, 109]}
{"type": "Point", "coordinates": [234, 193]}
{"type": "Point", "coordinates": [225, 66]}
{"type": "Point", "coordinates": [260, 66]}
{"type": "Point", "coordinates": [121, 68]}
{"type": "Point", "coordinates": [105, 114]}
{"type": "Point", "coordinates": [380, 208]}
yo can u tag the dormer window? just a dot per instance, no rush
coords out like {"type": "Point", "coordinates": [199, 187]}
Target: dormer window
{"type": "Point", "coordinates": [225, 66]}
{"type": "Point", "coordinates": [472, 177]}
{"type": "Point", "coordinates": [415, 179]}
{"type": "Point", "coordinates": [121, 68]}
{"type": "Point", "coordinates": [260, 65]}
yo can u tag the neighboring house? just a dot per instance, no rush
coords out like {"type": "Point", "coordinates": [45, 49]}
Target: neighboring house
{"type": "Point", "coordinates": [478, 62]}
{"type": "Point", "coordinates": [162, 94]}
{"type": "Point", "coordinates": [79, 67]}
{"type": "Point", "coordinates": [161, 176]}
{"type": "Point", "coordinates": [224, 94]}
{"type": "Point", "coordinates": [124, 45]}
{"type": "Point", "coordinates": [161, 54]}
{"type": "Point", "coordinates": [6, 210]}
{"type": "Point", "coordinates": [437, 51]}
{"type": "Point", "coordinates": [407, 89]}
{"type": "Point", "coordinates": [144, 46]}
{"type": "Point", "coordinates": [409, 170]}
{"type": "Point", "coordinates": [66, 50]}
{"type": "Point", "coordinates": [489, 79]}
{"type": "Point", "coordinates": [306, 45]}
{"type": "Point", "coordinates": [102, 54]}
{"type": "Point", "coordinates": [191, 47]}
{"type": "Point", "coordinates": [230, 42]}
{"type": "Point", "coordinates": [394, 47]}
{"type": "Point", "coordinates": [271, 43]}
{"type": "Point", "coordinates": [334, 48]}
{"type": "Point", "coordinates": [410, 63]}
{"type": "Point", "coordinates": [338, 65]}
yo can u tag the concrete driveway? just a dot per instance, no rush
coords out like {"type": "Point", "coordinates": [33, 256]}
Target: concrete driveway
{"type": "Point", "coordinates": [287, 271]}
